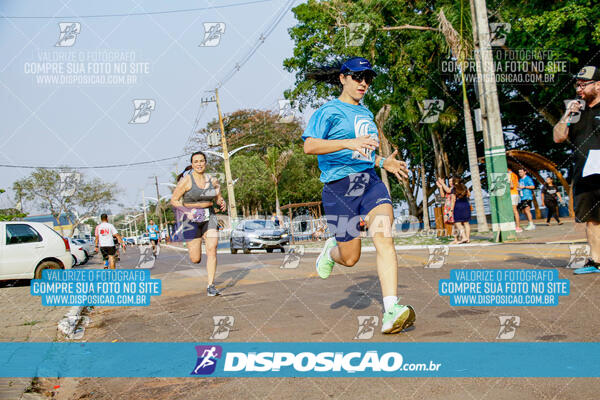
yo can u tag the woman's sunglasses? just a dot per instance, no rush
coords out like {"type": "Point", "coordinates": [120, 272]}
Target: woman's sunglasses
{"type": "Point", "coordinates": [367, 76]}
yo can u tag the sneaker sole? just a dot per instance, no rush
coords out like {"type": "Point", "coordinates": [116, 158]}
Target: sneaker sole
{"type": "Point", "coordinates": [406, 320]}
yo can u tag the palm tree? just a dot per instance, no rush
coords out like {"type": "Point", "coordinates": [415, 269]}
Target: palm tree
{"type": "Point", "coordinates": [460, 49]}
{"type": "Point", "coordinates": [276, 161]}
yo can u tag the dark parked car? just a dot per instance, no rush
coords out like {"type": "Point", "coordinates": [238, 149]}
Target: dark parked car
{"type": "Point", "coordinates": [258, 234]}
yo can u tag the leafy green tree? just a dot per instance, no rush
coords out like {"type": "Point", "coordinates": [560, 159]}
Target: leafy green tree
{"type": "Point", "coordinates": [81, 199]}
{"type": "Point", "coordinates": [406, 48]}
{"type": "Point", "coordinates": [10, 214]}
{"type": "Point", "coordinates": [276, 161]}
{"type": "Point", "coordinates": [299, 181]}
{"type": "Point", "coordinates": [567, 31]}
{"type": "Point", "coordinates": [262, 173]}
{"type": "Point", "coordinates": [243, 127]}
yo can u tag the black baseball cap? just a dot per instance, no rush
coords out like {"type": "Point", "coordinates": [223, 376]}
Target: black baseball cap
{"type": "Point", "coordinates": [588, 73]}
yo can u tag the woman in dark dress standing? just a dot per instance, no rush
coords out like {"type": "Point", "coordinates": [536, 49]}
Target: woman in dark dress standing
{"type": "Point", "coordinates": [462, 210]}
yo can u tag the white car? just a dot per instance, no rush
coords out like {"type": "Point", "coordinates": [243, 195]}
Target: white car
{"type": "Point", "coordinates": [88, 246]}
{"type": "Point", "coordinates": [143, 239]}
{"type": "Point", "coordinates": [78, 253]}
{"type": "Point", "coordinates": [28, 248]}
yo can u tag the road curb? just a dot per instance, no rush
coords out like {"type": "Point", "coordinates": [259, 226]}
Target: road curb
{"type": "Point", "coordinates": [73, 323]}
{"type": "Point", "coordinates": [368, 249]}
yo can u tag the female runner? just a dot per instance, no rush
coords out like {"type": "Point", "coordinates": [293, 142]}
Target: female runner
{"type": "Point", "coordinates": [343, 135]}
{"type": "Point", "coordinates": [193, 199]}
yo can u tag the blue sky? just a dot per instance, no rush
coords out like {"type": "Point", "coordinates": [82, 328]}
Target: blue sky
{"type": "Point", "coordinates": [88, 124]}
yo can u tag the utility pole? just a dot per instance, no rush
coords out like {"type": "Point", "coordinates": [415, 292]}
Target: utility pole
{"type": "Point", "coordinates": [144, 205]}
{"type": "Point", "coordinates": [503, 222]}
{"type": "Point", "coordinates": [232, 210]}
{"type": "Point", "coordinates": [160, 219]}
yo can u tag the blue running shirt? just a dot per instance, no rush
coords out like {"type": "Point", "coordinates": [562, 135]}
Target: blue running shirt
{"type": "Point", "coordinates": [153, 231]}
{"type": "Point", "coordinates": [526, 194]}
{"type": "Point", "coordinates": [337, 120]}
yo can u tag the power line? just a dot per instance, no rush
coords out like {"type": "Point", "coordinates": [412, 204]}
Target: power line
{"type": "Point", "coordinates": [92, 167]}
{"type": "Point", "coordinates": [133, 14]}
{"type": "Point", "coordinates": [261, 39]}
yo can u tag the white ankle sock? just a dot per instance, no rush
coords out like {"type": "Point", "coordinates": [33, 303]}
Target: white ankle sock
{"type": "Point", "coordinates": [329, 253]}
{"type": "Point", "coordinates": [388, 302]}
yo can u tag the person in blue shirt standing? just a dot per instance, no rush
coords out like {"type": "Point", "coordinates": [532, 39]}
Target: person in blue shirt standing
{"type": "Point", "coordinates": [344, 137]}
{"type": "Point", "coordinates": [526, 187]}
{"type": "Point", "coordinates": [153, 233]}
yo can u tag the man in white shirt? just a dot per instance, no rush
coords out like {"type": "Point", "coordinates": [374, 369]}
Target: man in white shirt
{"type": "Point", "coordinates": [105, 234]}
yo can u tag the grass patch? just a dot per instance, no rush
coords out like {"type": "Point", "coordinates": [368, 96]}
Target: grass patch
{"type": "Point", "coordinates": [31, 323]}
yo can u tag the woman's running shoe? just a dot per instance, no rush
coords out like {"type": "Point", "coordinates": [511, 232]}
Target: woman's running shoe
{"type": "Point", "coordinates": [398, 318]}
{"type": "Point", "coordinates": [211, 290]}
{"type": "Point", "coordinates": [324, 262]}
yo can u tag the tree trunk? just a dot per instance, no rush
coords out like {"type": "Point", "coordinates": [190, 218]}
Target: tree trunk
{"type": "Point", "coordinates": [384, 144]}
{"type": "Point", "coordinates": [482, 225]}
{"type": "Point", "coordinates": [439, 161]}
{"type": "Point", "coordinates": [277, 209]}
{"type": "Point", "coordinates": [425, 195]}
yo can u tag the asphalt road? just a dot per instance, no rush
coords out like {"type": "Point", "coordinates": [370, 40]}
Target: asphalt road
{"type": "Point", "coordinates": [271, 299]}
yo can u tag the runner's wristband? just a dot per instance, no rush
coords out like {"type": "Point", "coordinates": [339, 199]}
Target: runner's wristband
{"type": "Point", "coordinates": [381, 162]}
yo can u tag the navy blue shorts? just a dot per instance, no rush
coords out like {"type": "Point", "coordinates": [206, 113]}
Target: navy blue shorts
{"type": "Point", "coordinates": [348, 200]}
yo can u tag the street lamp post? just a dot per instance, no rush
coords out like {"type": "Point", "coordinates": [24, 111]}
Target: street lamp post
{"type": "Point", "coordinates": [144, 206]}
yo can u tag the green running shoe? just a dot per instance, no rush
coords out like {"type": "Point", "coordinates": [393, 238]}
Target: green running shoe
{"type": "Point", "coordinates": [324, 262]}
{"type": "Point", "coordinates": [398, 319]}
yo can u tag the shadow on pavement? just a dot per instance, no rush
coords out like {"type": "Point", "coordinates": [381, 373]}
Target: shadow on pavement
{"type": "Point", "coordinates": [232, 278]}
{"type": "Point", "coordinates": [15, 283]}
{"type": "Point", "coordinates": [360, 294]}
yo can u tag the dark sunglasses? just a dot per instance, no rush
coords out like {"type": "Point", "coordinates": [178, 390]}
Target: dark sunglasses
{"type": "Point", "coordinates": [359, 76]}
{"type": "Point", "coordinates": [582, 85]}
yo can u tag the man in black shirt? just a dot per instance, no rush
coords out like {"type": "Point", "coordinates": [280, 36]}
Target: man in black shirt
{"type": "Point", "coordinates": [581, 127]}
